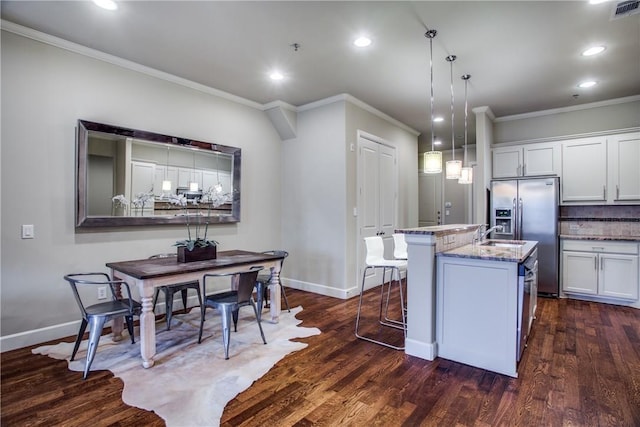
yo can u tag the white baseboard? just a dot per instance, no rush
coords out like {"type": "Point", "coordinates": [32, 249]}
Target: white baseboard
{"type": "Point", "coordinates": [64, 330]}
{"type": "Point", "coordinates": [423, 350]}
{"type": "Point", "coordinates": [325, 290]}
{"type": "Point", "coordinates": [37, 336]}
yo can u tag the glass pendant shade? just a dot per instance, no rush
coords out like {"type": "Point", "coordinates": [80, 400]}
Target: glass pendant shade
{"type": "Point", "coordinates": [432, 162]}
{"type": "Point", "coordinates": [166, 185]}
{"type": "Point", "coordinates": [452, 169]}
{"type": "Point", "coordinates": [466, 176]}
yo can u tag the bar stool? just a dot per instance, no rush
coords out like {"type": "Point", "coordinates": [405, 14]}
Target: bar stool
{"type": "Point", "coordinates": [375, 260]}
{"type": "Point", "coordinates": [399, 246]}
{"type": "Point", "coordinates": [399, 252]}
{"type": "Point", "coordinates": [170, 290]}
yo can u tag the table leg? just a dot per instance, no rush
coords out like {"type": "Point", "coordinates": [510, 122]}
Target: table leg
{"type": "Point", "coordinates": [118, 322]}
{"type": "Point", "coordinates": [147, 326]}
{"type": "Point", "coordinates": [274, 294]}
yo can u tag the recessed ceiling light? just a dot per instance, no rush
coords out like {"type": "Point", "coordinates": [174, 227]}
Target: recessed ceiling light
{"type": "Point", "coordinates": [593, 50]}
{"type": "Point", "coordinates": [106, 4]}
{"type": "Point", "coordinates": [597, 1]}
{"type": "Point", "coordinates": [437, 142]}
{"type": "Point", "coordinates": [438, 119]}
{"type": "Point", "coordinates": [362, 41]}
{"type": "Point", "coordinates": [587, 84]}
{"type": "Point", "coordinates": [276, 75]}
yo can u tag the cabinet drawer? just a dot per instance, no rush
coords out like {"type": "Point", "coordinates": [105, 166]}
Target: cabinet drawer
{"type": "Point", "coordinates": [600, 246]}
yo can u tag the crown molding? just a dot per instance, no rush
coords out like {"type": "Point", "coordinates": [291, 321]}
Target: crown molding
{"type": "Point", "coordinates": [553, 111]}
{"type": "Point", "coordinates": [345, 97]}
{"type": "Point", "coordinates": [120, 62]}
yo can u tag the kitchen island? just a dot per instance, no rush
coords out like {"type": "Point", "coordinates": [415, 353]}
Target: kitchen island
{"type": "Point", "coordinates": [482, 316]}
{"type": "Point", "coordinates": [423, 243]}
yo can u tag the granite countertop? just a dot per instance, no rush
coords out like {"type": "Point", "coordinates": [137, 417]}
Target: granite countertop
{"type": "Point", "coordinates": [440, 229]}
{"type": "Point", "coordinates": [600, 238]}
{"type": "Point", "coordinates": [494, 253]}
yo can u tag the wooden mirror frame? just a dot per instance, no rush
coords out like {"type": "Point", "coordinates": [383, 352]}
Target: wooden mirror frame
{"type": "Point", "coordinates": [84, 220]}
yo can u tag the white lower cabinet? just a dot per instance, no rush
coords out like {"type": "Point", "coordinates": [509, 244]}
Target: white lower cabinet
{"type": "Point", "coordinates": [607, 269]}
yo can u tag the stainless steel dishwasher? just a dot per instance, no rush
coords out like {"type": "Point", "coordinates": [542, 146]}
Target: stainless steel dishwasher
{"type": "Point", "coordinates": [527, 283]}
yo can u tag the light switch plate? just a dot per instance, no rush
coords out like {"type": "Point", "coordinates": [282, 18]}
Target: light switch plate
{"type": "Point", "coordinates": [28, 231]}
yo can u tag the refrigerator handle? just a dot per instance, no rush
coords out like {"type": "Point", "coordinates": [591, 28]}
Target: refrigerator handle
{"type": "Point", "coordinates": [520, 208]}
{"type": "Point", "coordinates": [515, 219]}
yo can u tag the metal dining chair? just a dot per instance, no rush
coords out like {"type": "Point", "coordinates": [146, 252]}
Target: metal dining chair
{"type": "Point", "coordinates": [171, 289]}
{"type": "Point", "coordinates": [229, 303]}
{"type": "Point", "coordinates": [375, 260]}
{"type": "Point", "coordinates": [96, 315]}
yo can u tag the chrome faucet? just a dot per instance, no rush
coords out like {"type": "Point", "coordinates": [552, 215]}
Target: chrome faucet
{"type": "Point", "coordinates": [483, 234]}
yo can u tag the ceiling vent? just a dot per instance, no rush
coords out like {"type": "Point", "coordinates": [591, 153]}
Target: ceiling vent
{"type": "Point", "coordinates": [625, 8]}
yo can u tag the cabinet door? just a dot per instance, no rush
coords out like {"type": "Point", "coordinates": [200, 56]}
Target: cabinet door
{"type": "Point", "coordinates": [619, 276]}
{"type": "Point", "coordinates": [624, 153]}
{"type": "Point", "coordinates": [580, 272]}
{"type": "Point", "coordinates": [541, 159]}
{"type": "Point", "coordinates": [584, 170]}
{"type": "Point", "coordinates": [507, 162]}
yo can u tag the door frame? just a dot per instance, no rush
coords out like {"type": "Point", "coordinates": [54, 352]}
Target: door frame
{"type": "Point", "coordinates": [372, 280]}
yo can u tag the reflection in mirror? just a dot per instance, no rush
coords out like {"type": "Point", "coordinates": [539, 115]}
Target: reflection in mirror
{"type": "Point", "coordinates": [131, 177]}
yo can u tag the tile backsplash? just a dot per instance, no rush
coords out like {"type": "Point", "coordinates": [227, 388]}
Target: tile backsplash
{"type": "Point", "coordinates": [600, 220]}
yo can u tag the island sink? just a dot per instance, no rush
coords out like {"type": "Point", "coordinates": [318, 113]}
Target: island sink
{"type": "Point", "coordinates": [504, 243]}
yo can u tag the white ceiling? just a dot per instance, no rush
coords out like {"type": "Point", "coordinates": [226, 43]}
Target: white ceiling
{"type": "Point", "coordinates": [523, 56]}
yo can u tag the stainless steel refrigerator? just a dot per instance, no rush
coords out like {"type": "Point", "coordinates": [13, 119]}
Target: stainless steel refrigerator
{"type": "Point", "coordinates": [527, 209]}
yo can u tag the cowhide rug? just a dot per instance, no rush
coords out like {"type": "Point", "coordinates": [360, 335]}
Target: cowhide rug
{"type": "Point", "coordinates": [191, 383]}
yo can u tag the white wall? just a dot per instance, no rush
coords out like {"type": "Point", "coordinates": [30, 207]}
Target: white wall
{"type": "Point", "coordinates": [319, 192]}
{"type": "Point", "coordinates": [45, 90]}
{"type": "Point", "coordinates": [313, 200]}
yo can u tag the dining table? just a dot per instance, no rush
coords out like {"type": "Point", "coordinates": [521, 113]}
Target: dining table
{"type": "Point", "coordinates": [149, 273]}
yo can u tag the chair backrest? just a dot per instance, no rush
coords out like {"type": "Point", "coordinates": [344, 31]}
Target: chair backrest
{"type": "Point", "coordinates": [399, 246]}
{"type": "Point", "coordinates": [375, 250]}
{"type": "Point", "coordinates": [95, 280]}
{"type": "Point", "coordinates": [246, 284]}
{"type": "Point", "coordinates": [244, 280]}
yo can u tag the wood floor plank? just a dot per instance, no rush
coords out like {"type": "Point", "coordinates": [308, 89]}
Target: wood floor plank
{"type": "Point", "coordinates": [581, 368]}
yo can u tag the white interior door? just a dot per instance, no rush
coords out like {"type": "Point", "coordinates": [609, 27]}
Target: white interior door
{"type": "Point", "coordinates": [377, 200]}
{"type": "Point", "coordinates": [429, 199]}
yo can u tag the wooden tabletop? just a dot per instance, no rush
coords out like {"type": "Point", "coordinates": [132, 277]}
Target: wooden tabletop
{"type": "Point", "coordinates": [158, 267]}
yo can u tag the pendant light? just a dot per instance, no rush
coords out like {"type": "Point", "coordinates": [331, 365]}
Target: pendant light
{"type": "Point", "coordinates": [166, 183]}
{"type": "Point", "coordinates": [453, 166]}
{"type": "Point", "coordinates": [432, 160]}
{"type": "Point", "coordinates": [466, 174]}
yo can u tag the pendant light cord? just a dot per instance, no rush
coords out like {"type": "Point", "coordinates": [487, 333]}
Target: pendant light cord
{"type": "Point", "coordinates": [452, 58]}
{"type": "Point", "coordinates": [466, 78]}
{"type": "Point", "coordinates": [430, 35]}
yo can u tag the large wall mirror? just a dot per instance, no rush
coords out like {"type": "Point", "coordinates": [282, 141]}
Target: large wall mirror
{"type": "Point", "coordinates": [132, 177]}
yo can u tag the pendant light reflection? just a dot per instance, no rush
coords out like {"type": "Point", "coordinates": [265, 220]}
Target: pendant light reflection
{"type": "Point", "coordinates": [453, 166]}
{"type": "Point", "coordinates": [466, 174]}
{"type": "Point", "coordinates": [166, 183]}
{"type": "Point", "coordinates": [432, 160]}
{"type": "Point", "coordinates": [218, 187]}
{"type": "Point", "coordinates": [193, 185]}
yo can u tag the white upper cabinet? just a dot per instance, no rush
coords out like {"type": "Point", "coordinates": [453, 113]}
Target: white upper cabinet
{"type": "Point", "coordinates": [624, 167]}
{"type": "Point", "coordinates": [526, 160]}
{"type": "Point", "coordinates": [602, 169]}
{"type": "Point", "coordinates": [584, 170]}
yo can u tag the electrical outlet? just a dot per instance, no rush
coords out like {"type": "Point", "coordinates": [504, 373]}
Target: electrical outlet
{"type": "Point", "coordinates": [102, 292]}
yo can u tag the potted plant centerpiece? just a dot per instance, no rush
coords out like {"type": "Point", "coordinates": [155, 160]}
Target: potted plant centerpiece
{"type": "Point", "coordinates": [197, 246]}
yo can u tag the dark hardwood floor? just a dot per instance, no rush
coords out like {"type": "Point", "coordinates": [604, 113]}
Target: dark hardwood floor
{"type": "Point", "coordinates": [581, 368]}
